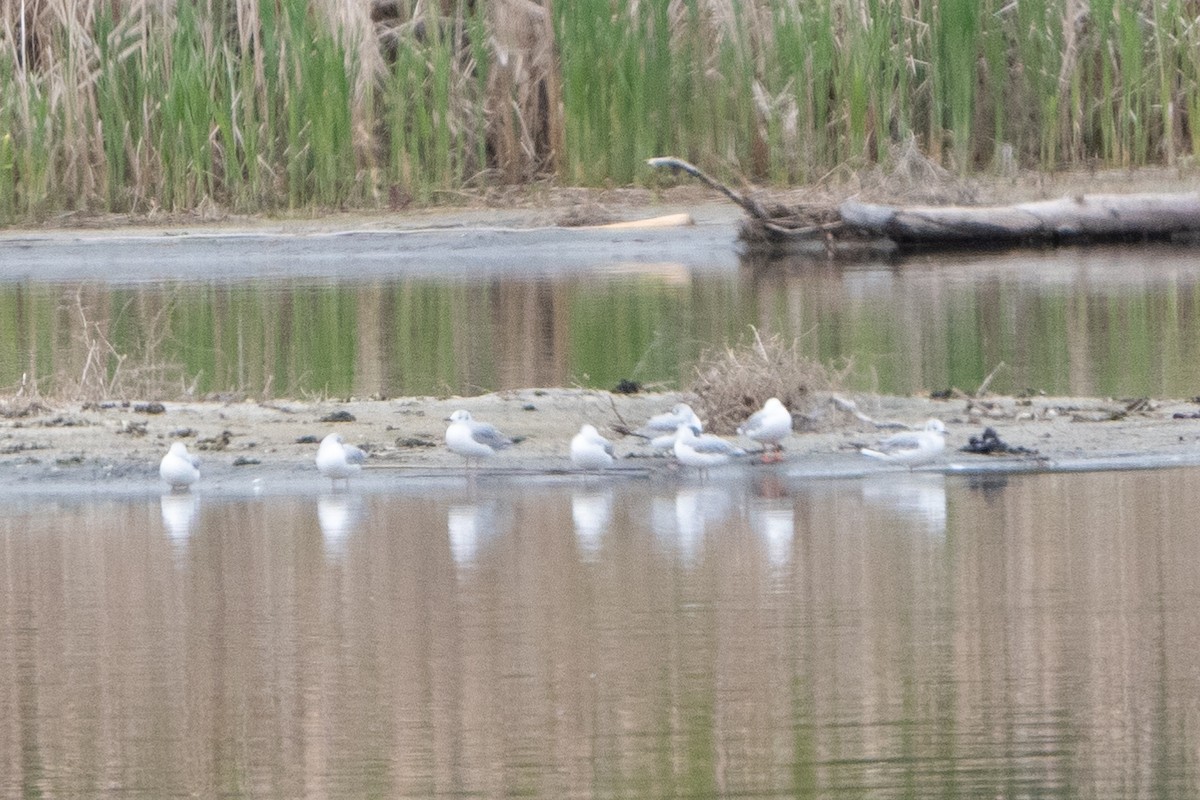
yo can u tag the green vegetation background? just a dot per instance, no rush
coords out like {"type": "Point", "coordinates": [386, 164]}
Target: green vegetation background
{"type": "Point", "coordinates": [258, 105]}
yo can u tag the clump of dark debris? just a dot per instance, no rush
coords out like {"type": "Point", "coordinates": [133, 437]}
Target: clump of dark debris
{"type": "Point", "coordinates": [219, 442]}
{"type": "Point", "coordinates": [989, 443]}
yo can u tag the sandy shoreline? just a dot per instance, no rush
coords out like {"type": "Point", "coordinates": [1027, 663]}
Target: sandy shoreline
{"type": "Point", "coordinates": [252, 448]}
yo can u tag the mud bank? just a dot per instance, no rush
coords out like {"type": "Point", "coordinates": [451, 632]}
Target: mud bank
{"type": "Point", "coordinates": [250, 448]}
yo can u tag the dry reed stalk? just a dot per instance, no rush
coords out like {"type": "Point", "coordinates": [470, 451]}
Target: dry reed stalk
{"type": "Point", "coordinates": [1075, 16]}
{"type": "Point", "coordinates": [733, 383]}
{"type": "Point", "coordinates": [524, 92]}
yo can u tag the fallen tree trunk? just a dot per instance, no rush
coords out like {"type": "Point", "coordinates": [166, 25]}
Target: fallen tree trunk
{"type": "Point", "coordinates": [856, 228]}
{"type": "Point", "coordinates": [1090, 217]}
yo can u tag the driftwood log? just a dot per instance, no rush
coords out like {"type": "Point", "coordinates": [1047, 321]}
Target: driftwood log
{"type": "Point", "coordinates": [853, 227]}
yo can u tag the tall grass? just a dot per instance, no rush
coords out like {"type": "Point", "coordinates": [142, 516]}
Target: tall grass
{"type": "Point", "coordinates": [138, 105]}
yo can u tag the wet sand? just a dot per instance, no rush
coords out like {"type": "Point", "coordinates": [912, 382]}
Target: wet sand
{"type": "Point", "coordinates": [447, 244]}
{"type": "Point", "coordinates": [250, 448]}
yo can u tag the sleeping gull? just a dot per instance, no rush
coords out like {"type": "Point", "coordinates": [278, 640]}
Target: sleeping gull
{"type": "Point", "coordinates": [660, 429]}
{"type": "Point", "coordinates": [337, 460]}
{"type": "Point", "coordinates": [590, 450]}
{"type": "Point", "coordinates": [912, 448]}
{"type": "Point", "coordinates": [704, 451]}
{"type": "Point", "coordinates": [179, 468]}
{"type": "Point", "coordinates": [668, 421]}
{"type": "Point", "coordinates": [666, 441]}
{"type": "Point", "coordinates": [471, 439]}
{"type": "Point", "coordinates": [769, 426]}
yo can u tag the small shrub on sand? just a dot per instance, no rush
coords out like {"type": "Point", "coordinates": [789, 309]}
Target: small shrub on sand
{"type": "Point", "coordinates": [733, 383]}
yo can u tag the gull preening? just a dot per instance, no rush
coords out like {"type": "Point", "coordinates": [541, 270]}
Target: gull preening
{"type": "Point", "coordinates": [590, 450]}
{"type": "Point", "coordinates": [179, 469]}
{"type": "Point", "coordinates": [471, 439]}
{"type": "Point", "coordinates": [703, 451]}
{"type": "Point", "coordinates": [337, 460]}
{"type": "Point", "coordinates": [768, 426]}
{"type": "Point", "coordinates": [912, 448]}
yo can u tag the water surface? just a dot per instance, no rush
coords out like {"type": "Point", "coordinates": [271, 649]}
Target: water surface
{"type": "Point", "coordinates": [1096, 321]}
{"type": "Point", "coordinates": [893, 636]}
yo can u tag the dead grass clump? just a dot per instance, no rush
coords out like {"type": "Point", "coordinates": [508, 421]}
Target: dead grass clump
{"type": "Point", "coordinates": [732, 384]}
{"type": "Point", "coordinates": [25, 402]}
{"type": "Point", "coordinates": [21, 408]}
{"type": "Point", "coordinates": [916, 178]}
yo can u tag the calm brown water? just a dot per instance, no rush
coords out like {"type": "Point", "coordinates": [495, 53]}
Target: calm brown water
{"type": "Point", "coordinates": [897, 636]}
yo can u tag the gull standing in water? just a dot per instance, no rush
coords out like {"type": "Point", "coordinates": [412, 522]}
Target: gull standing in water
{"type": "Point", "coordinates": [769, 426]}
{"type": "Point", "coordinates": [471, 439]}
{"type": "Point", "coordinates": [337, 460]}
{"type": "Point", "coordinates": [704, 451]}
{"type": "Point", "coordinates": [912, 448]}
{"type": "Point", "coordinates": [590, 450]}
{"type": "Point", "coordinates": [179, 469]}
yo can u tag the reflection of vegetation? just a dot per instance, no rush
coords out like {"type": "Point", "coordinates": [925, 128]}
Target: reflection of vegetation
{"type": "Point", "coordinates": [424, 337]}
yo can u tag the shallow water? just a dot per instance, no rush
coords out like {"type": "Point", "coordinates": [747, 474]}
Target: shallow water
{"type": "Point", "coordinates": [1097, 321]}
{"type": "Point", "coordinates": [893, 636]}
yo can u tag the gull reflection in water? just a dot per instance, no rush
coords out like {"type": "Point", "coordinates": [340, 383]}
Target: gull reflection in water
{"type": "Point", "coordinates": [918, 497]}
{"type": "Point", "coordinates": [684, 522]}
{"type": "Point", "coordinates": [470, 527]}
{"type": "Point", "coordinates": [338, 515]}
{"type": "Point", "coordinates": [591, 511]}
{"type": "Point", "coordinates": [179, 512]}
{"type": "Point", "coordinates": [775, 523]}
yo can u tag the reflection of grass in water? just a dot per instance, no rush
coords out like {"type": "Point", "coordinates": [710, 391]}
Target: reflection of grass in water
{"type": "Point", "coordinates": [423, 337]}
{"type": "Point", "coordinates": [639, 330]}
{"type": "Point", "coordinates": [110, 371]}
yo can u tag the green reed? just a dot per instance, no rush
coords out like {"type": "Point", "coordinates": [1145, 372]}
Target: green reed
{"type": "Point", "coordinates": [424, 152]}
{"type": "Point", "coordinates": [258, 105]}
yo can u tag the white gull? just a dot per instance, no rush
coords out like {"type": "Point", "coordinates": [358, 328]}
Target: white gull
{"type": "Point", "coordinates": [337, 460]}
{"type": "Point", "coordinates": [911, 448]}
{"type": "Point", "coordinates": [471, 439]}
{"type": "Point", "coordinates": [660, 429]}
{"type": "Point", "coordinates": [704, 451]}
{"type": "Point", "coordinates": [179, 469]}
{"type": "Point", "coordinates": [768, 426]}
{"type": "Point", "coordinates": [590, 450]}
